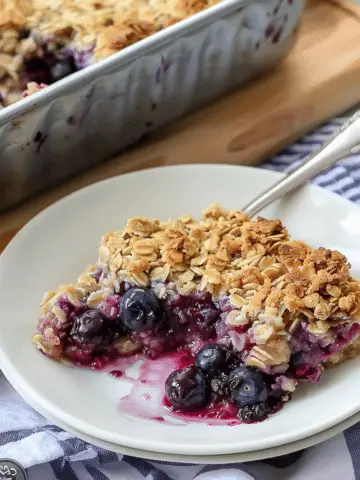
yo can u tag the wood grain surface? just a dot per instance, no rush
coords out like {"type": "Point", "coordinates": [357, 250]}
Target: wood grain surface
{"type": "Point", "coordinates": [319, 78]}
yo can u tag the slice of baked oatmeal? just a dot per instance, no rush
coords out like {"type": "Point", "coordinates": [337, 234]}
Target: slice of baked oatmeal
{"type": "Point", "coordinates": [258, 312]}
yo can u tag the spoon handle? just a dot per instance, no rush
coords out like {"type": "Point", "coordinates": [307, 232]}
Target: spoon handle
{"type": "Point", "coordinates": [344, 142]}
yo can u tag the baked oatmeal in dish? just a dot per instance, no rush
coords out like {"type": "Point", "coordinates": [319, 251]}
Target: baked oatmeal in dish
{"type": "Point", "coordinates": [256, 311]}
{"type": "Point", "coordinates": [43, 41]}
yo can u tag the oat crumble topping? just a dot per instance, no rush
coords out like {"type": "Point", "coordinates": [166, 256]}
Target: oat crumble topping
{"type": "Point", "coordinates": [272, 283]}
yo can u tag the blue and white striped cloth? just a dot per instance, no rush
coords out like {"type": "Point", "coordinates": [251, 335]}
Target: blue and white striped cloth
{"type": "Point", "coordinates": [49, 453]}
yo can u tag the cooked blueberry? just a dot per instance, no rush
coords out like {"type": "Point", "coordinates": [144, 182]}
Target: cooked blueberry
{"type": "Point", "coordinates": [139, 309]}
{"type": "Point", "coordinates": [187, 389]}
{"type": "Point", "coordinates": [247, 386]}
{"type": "Point", "coordinates": [88, 327]}
{"type": "Point", "coordinates": [203, 314]}
{"type": "Point", "coordinates": [254, 413]}
{"type": "Point", "coordinates": [61, 69]}
{"type": "Point", "coordinates": [212, 359]}
{"type": "Point", "coordinates": [36, 70]}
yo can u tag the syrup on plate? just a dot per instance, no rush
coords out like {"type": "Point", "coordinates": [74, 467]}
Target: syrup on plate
{"type": "Point", "coordinates": [147, 398]}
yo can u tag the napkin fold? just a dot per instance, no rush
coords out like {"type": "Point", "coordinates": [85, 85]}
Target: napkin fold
{"type": "Point", "coordinates": [49, 453]}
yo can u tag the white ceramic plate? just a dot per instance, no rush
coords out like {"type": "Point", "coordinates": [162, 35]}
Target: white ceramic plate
{"type": "Point", "coordinates": [256, 455]}
{"type": "Point", "coordinates": [55, 246]}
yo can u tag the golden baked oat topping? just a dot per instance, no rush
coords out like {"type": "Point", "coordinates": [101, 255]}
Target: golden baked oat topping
{"type": "Point", "coordinates": [93, 28]}
{"type": "Point", "coordinates": [107, 23]}
{"type": "Point", "coordinates": [44, 41]}
{"type": "Point", "coordinates": [225, 253]}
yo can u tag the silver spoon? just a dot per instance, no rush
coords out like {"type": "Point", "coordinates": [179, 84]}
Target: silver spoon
{"type": "Point", "coordinates": [345, 141]}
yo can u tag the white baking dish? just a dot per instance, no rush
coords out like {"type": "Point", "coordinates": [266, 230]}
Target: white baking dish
{"type": "Point", "coordinates": [93, 114]}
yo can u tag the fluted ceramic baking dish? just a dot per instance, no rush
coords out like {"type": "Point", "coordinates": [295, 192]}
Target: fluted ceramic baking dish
{"type": "Point", "coordinates": [93, 114]}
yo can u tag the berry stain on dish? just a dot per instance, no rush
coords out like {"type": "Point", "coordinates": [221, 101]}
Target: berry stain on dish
{"type": "Point", "coordinates": [216, 321]}
{"type": "Point", "coordinates": [171, 389]}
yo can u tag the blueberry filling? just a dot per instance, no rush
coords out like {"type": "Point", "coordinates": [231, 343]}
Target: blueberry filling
{"type": "Point", "coordinates": [47, 66]}
{"type": "Point", "coordinates": [180, 321]}
{"type": "Point", "coordinates": [197, 312]}
{"type": "Point", "coordinates": [157, 326]}
{"type": "Point", "coordinates": [217, 373]}
{"type": "Point", "coordinates": [209, 381]}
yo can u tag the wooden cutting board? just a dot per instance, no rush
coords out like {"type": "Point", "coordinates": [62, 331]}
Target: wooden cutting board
{"type": "Point", "coordinates": [319, 79]}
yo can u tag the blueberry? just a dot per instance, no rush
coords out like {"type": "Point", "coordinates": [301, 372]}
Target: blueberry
{"type": "Point", "coordinates": [36, 70]}
{"type": "Point", "coordinates": [254, 413]}
{"type": "Point", "coordinates": [247, 386]}
{"type": "Point", "coordinates": [212, 359]}
{"type": "Point", "coordinates": [187, 389]}
{"type": "Point", "coordinates": [88, 327]}
{"type": "Point", "coordinates": [139, 309]}
{"type": "Point", "coordinates": [203, 314]}
{"type": "Point", "coordinates": [61, 69]}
